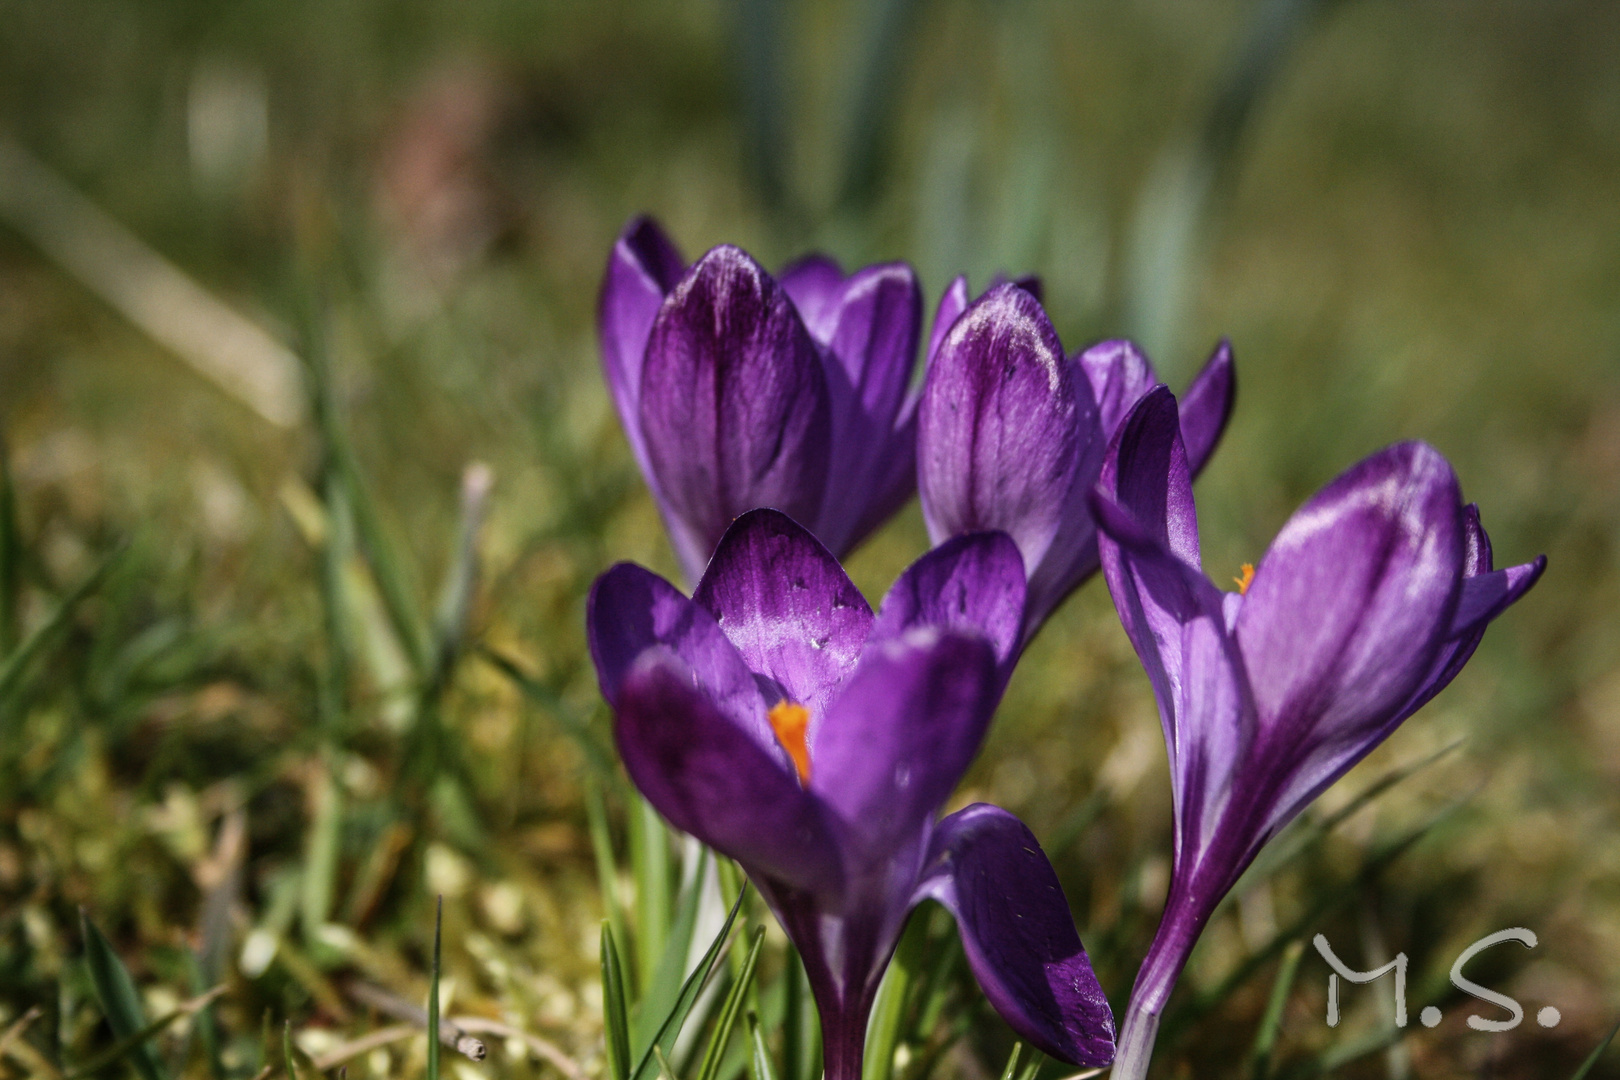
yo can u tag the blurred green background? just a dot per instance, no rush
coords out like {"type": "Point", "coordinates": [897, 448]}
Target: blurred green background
{"type": "Point", "coordinates": [240, 725]}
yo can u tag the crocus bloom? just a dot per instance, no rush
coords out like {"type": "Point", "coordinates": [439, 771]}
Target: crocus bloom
{"type": "Point", "coordinates": [1011, 432]}
{"type": "Point", "coordinates": [738, 390]}
{"type": "Point", "coordinates": [776, 719]}
{"type": "Point", "coordinates": [1368, 603]}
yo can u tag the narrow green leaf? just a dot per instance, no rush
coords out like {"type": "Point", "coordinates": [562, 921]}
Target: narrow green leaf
{"type": "Point", "coordinates": [671, 1027]}
{"type": "Point", "coordinates": [801, 1024]}
{"type": "Point", "coordinates": [1195, 1007]}
{"type": "Point", "coordinates": [658, 994]}
{"type": "Point", "coordinates": [615, 1007]}
{"type": "Point", "coordinates": [123, 1046]}
{"type": "Point", "coordinates": [115, 991]}
{"type": "Point", "coordinates": [1597, 1052]}
{"type": "Point", "coordinates": [10, 554]}
{"type": "Point", "coordinates": [433, 996]}
{"type": "Point", "coordinates": [762, 1057]}
{"type": "Point", "coordinates": [729, 1010]}
{"type": "Point", "coordinates": [317, 883]}
{"type": "Point", "coordinates": [650, 867]}
{"type": "Point", "coordinates": [1012, 1061]}
{"type": "Point", "coordinates": [1265, 1039]}
{"type": "Point", "coordinates": [287, 1050]}
{"type": "Point", "coordinates": [889, 1007]}
{"type": "Point", "coordinates": [45, 637]}
{"type": "Point", "coordinates": [1032, 1066]}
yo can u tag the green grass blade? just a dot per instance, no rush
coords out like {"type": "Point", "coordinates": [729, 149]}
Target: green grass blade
{"type": "Point", "coordinates": [115, 991]}
{"type": "Point", "coordinates": [671, 1027]}
{"type": "Point", "coordinates": [761, 1063]}
{"type": "Point", "coordinates": [615, 1007]}
{"type": "Point", "coordinates": [801, 1024]}
{"type": "Point", "coordinates": [660, 993]}
{"type": "Point", "coordinates": [1011, 1067]}
{"type": "Point", "coordinates": [321, 847]}
{"type": "Point", "coordinates": [287, 1050]}
{"type": "Point", "coordinates": [1265, 1039]}
{"type": "Point", "coordinates": [123, 1046]}
{"type": "Point", "coordinates": [889, 1007]}
{"type": "Point", "coordinates": [1597, 1052]}
{"type": "Point", "coordinates": [17, 664]}
{"type": "Point", "coordinates": [1289, 847]}
{"type": "Point", "coordinates": [433, 996]}
{"type": "Point", "coordinates": [1196, 1007]}
{"type": "Point", "coordinates": [607, 871]}
{"type": "Point", "coordinates": [650, 867]}
{"type": "Point", "coordinates": [11, 550]}
{"type": "Point", "coordinates": [709, 1069]}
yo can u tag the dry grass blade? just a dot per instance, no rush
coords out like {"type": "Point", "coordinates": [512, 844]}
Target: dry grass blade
{"type": "Point", "coordinates": [20, 1025]}
{"type": "Point", "coordinates": [541, 1048]}
{"type": "Point", "coordinates": [364, 1045]}
{"type": "Point", "coordinates": [450, 1034]}
{"type": "Point", "coordinates": [230, 351]}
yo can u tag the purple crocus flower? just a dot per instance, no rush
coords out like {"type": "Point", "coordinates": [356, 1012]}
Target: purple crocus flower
{"type": "Point", "coordinates": [1011, 432]}
{"type": "Point", "coordinates": [1368, 603]}
{"type": "Point", "coordinates": [739, 390]}
{"type": "Point", "coordinates": [777, 719]}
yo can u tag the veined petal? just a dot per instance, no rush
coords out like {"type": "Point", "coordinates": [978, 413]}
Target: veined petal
{"type": "Point", "coordinates": [872, 324]}
{"type": "Point", "coordinates": [733, 403]}
{"type": "Point", "coordinates": [813, 283]}
{"type": "Point", "coordinates": [1001, 426]}
{"type": "Point", "coordinates": [972, 582]}
{"type": "Point", "coordinates": [642, 268]}
{"type": "Point", "coordinates": [786, 604]}
{"type": "Point", "coordinates": [1119, 374]}
{"type": "Point", "coordinates": [1175, 619]}
{"type": "Point", "coordinates": [632, 610]}
{"type": "Point", "coordinates": [710, 779]}
{"type": "Point", "coordinates": [987, 869]}
{"type": "Point", "coordinates": [1207, 406]}
{"type": "Point", "coordinates": [1146, 472]}
{"type": "Point", "coordinates": [1354, 598]}
{"type": "Point", "coordinates": [900, 734]}
{"type": "Point", "coordinates": [952, 302]}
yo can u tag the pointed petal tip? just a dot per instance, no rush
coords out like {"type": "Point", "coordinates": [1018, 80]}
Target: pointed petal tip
{"type": "Point", "coordinates": [989, 871]}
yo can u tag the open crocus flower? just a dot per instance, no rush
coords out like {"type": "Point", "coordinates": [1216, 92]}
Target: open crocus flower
{"type": "Point", "coordinates": [1011, 432]}
{"type": "Point", "coordinates": [739, 390]}
{"type": "Point", "coordinates": [1368, 603]}
{"type": "Point", "coordinates": [776, 719]}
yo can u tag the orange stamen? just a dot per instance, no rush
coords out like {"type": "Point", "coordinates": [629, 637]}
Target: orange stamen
{"type": "Point", "coordinates": [1245, 579]}
{"type": "Point", "coordinates": [791, 722]}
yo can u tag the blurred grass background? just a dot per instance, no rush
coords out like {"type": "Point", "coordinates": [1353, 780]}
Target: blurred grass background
{"type": "Point", "coordinates": [1404, 215]}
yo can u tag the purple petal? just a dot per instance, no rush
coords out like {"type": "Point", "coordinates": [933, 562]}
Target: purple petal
{"type": "Point", "coordinates": [813, 283]}
{"type": "Point", "coordinates": [899, 736]}
{"type": "Point", "coordinates": [952, 303]}
{"type": "Point", "coordinates": [632, 610]}
{"type": "Point", "coordinates": [1175, 619]}
{"type": "Point", "coordinates": [972, 582]}
{"type": "Point", "coordinates": [1146, 472]}
{"type": "Point", "coordinates": [987, 869]}
{"type": "Point", "coordinates": [1350, 604]}
{"type": "Point", "coordinates": [1485, 596]}
{"type": "Point", "coordinates": [1207, 406]}
{"type": "Point", "coordinates": [1119, 374]}
{"type": "Point", "coordinates": [733, 404]}
{"type": "Point", "coordinates": [710, 779]}
{"type": "Point", "coordinates": [872, 329]}
{"type": "Point", "coordinates": [1001, 426]}
{"type": "Point", "coordinates": [786, 604]}
{"type": "Point", "coordinates": [643, 267]}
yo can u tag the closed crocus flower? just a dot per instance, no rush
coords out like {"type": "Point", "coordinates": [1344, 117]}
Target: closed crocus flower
{"type": "Point", "coordinates": [1011, 432]}
{"type": "Point", "coordinates": [1369, 601]}
{"type": "Point", "coordinates": [739, 390]}
{"type": "Point", "coordinates": [774, 717]}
